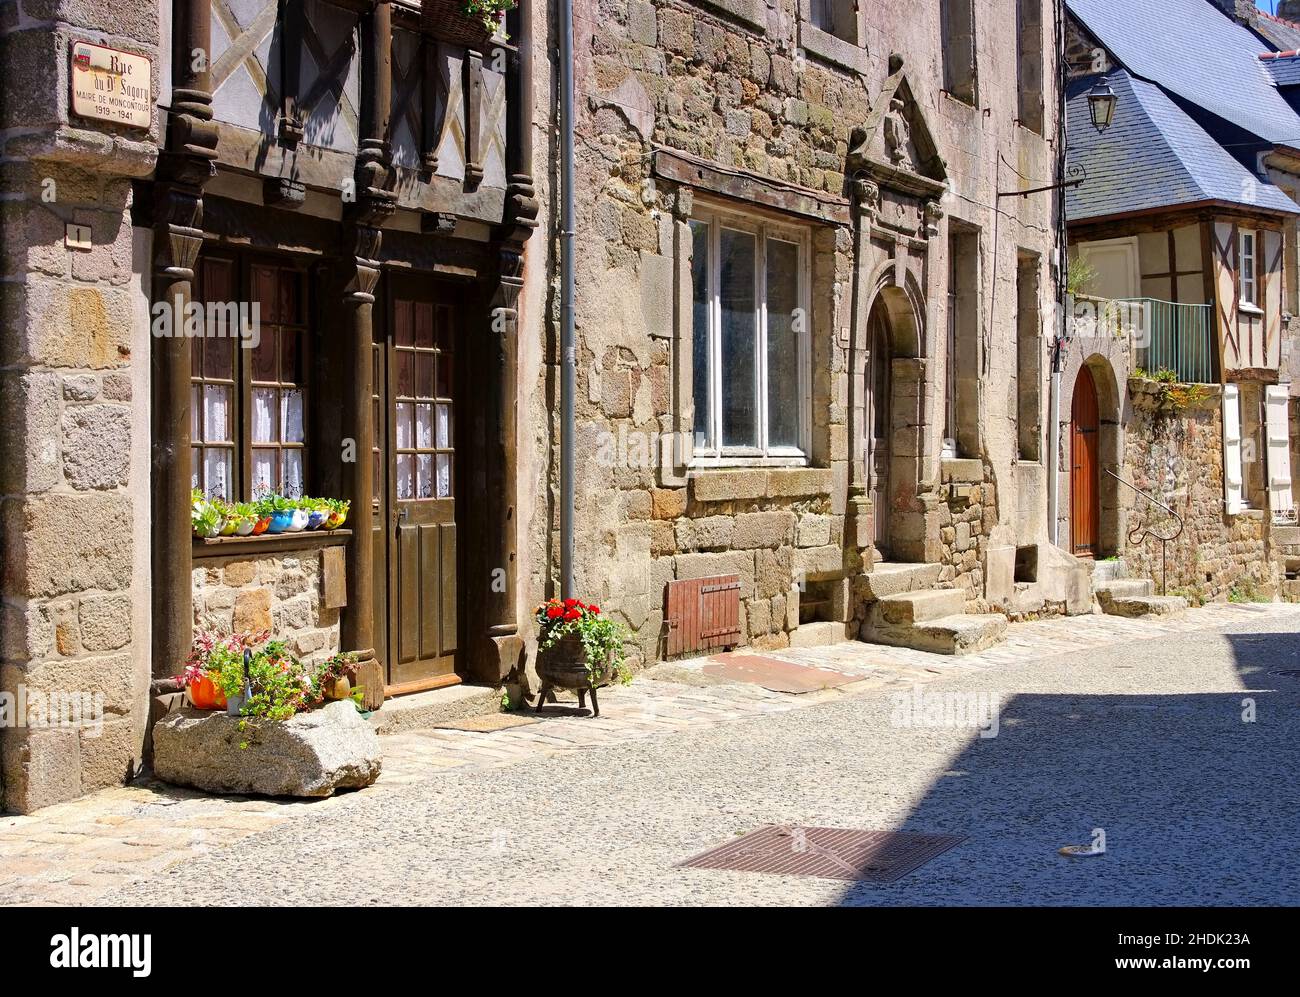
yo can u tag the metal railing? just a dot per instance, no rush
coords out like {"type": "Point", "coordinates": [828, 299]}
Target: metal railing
{"type": "Point", "coordinates": [1139, 534]}
{"type": "Point", "coordinates": [1174, 336]}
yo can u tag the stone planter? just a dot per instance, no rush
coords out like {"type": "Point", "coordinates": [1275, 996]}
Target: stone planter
{"type": "Point", "coordinates": [312, 754]}
{"type": "Point", "coordinates": [564, 666]}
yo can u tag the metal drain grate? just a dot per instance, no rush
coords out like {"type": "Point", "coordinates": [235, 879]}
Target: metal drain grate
{"type": "Point", "coordinates": [829, 852]}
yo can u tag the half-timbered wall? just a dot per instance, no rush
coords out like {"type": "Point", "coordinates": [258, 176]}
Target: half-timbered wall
{"type": "Point", "coordinates": [286, 80]}
{"type": "Point", "coordinates": [1250, 338]}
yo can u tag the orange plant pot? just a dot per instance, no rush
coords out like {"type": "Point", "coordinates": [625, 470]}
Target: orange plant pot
{"type": "Point", "coordinates": [205, 695]}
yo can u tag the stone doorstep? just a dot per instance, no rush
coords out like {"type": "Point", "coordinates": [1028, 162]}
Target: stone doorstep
{"type": "Point", "coordinates": [957, 634]}
{"type": "Point", "coordinates": [821, 634]}
{"type": "Point", "coordinates": [917, 607]}
{"type": "Point", "coordinates": [894, 577]}
{"type": "Point", "coordinates": [1124, 588]}
{"type": "Point", "coordinates": [1148, 605]}
{"type": "Point", "coordinates": [426, 709]}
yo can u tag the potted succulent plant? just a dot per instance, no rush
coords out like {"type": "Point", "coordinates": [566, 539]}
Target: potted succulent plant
{"type": "Point", "coordinates": [280, 510]}
{"type": "Point", "coordinates": [243, 517]}
{"type": "Point", "coordinates": [578, 649]}
{"type": "Point", "coordinates": [338, 513]}
{"type": "Point", "coordinates": [206, 519]}
{"type": "Point", "coordinates": [335, 676]}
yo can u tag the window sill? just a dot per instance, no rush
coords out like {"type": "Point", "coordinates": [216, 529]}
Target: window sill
{"type": "Point", "coordinates": [1249, 308]}
{"type": "Point", "coordinates": [751, 12]}
{"type": "Point", "coordinates": [726, 484]}
{"type": "Point", "coordinates": [833, 49]}
{"type": "Point", "coordinates": [269, 543]}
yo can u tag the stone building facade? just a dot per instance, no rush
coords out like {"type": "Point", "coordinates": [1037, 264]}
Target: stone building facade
{"type": "Point", "coordinates": [357, 170]}
{"type": "Point", "coordinates": [1183, 326]}
{"type": "Point", "coordinates": [813, 322]}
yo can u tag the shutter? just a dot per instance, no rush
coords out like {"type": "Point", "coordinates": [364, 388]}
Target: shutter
{"type": "Point", "coordinates": [1277, 400]}
{"type": "Point", "coordinates": [1232, 495]}
{"type": "Point", "coordinates": [702, 614]}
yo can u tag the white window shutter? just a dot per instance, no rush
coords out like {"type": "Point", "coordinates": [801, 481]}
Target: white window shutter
{"type": "Point", "coordinates": [1232, 495]}
{"type": "Point", "coordinates": [1277, 399]}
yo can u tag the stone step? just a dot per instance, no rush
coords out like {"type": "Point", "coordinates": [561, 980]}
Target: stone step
{"type": "Point", "coordinates": [424, 709]}
{"type": "Point", "coordinates": [916, 607]}
{"type": "Point", "coordinates": [820, 634]}
{"type": "Point", "coordinates": [962, 633]}
{"type": "Point", "coordinates": [1125, 588]}
{"type": "Point", "coordinates": [1108, 571]}
{"type": "Point", "coordinates": [893, 577]}
{"type": "Point", "coordinates": [1142, 605]}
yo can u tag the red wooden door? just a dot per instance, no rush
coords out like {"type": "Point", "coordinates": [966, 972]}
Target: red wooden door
{"type": "Point", "coordinates": [1085, 503]}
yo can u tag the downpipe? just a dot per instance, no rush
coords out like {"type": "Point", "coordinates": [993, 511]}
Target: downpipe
{"type": "Point", "coordinates": [568, 347]}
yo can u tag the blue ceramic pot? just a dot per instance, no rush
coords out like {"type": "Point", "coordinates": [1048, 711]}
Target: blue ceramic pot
{"type": "Point", "coordinates": [280, 521]}
{"type": "Point", "coordinates": [316, 519]}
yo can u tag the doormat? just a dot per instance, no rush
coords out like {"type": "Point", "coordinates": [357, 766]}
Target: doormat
{"type": "Point", "coordinates": [487, 723]}
{"type": "Point", "coordinates": [827, 852]}
{"type": "Point", "coordinates": [773, 673]}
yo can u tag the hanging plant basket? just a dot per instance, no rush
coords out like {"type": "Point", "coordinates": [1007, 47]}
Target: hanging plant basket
{"type": "Point", "coordinates": [447, 20]}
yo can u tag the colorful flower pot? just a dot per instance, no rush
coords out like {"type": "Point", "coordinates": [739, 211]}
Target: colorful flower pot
{"type": "Point", "coordinates": [315, 518]}
{"type": "Point", "coordinates": [298, 521]}
{"type": "Point", "coordinates": [204, 695]}
{"type": "Point", "coordinates": [244, 526]}
{"type": "Point", "coordinates": [336, 520]}
{"type": "Point", "coordinates": [260, 527]}
{"type": "Point", "coordinates": [281, 522]}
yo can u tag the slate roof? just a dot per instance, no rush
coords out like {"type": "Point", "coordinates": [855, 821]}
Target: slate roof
{"type": "Point", "coordinates": [1153, 156]}
{"type": "Point", "coordinates": [1283, 68]}
{"type": "Point", "coordinates": [1198, 54]}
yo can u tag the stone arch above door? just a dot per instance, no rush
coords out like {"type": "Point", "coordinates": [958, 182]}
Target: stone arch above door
{"type": "Point", "coordinates": [1109, 447]}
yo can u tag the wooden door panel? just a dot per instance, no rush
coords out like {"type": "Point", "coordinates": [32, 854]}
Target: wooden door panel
{"type": "Point", "coordinates": [1085, 506]}
{"type": "Point", "coordinates": [447, 574]}
{"type": "Point", "coordinates": [420, 487]}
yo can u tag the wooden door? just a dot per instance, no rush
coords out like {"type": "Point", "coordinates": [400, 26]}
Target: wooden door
{"type": "Point", "coordinates": [421, 488]}
{"type": "Point", "coordinates": [878, 412]}
{"type": "Point", "coordinates": [1085, 497]}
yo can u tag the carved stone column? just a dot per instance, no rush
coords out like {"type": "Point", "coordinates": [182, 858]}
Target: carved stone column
{"type": "Point", "coordinates": [184, 165]}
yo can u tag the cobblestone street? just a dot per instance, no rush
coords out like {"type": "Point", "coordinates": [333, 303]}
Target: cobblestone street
{"type": "Point", "coordinates": [1133, 726]}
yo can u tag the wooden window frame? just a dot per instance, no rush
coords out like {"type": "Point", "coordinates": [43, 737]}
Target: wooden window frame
{"type": "Point", "coordinates": [242, 381]}
{"type": "Point", "coordinates": [1248, 301]}
{"type": "Point", "coordinates": [710, 453]}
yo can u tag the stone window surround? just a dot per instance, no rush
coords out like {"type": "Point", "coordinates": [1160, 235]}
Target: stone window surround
{"type": "Point", "coordinates": [830, 48]}
{"type": "Point", "coordinates": [750, 12]}
{"type": "Point", "coordinates": [763, 224]}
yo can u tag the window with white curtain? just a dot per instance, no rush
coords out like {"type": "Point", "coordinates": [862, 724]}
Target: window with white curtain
{"type": "Point", "coordinates": [751, 328]}
{"type": "Point", "coordinates": [247, 410]}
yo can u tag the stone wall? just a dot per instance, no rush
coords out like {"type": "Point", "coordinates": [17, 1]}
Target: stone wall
{"type": "Point", "coordinates": [280, 592]}
{"type": "Point", "coordinates": [745, 87]}
{"type": "Point", "coordinates": [1177, 455]}
{"type": "Point", "coordinates": [74, 469]}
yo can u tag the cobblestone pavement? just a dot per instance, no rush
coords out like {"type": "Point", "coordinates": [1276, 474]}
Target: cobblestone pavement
{"type": "Point", "coordinates": [711, 760]}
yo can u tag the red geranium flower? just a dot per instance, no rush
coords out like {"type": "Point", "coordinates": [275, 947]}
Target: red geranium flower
{"type": "Point", "coordinates": [593, 609]}
{"type": "Point", "coordinates": [572, 614]}
{"type": "Point", "coordinates": [570, 603]}
{"type": "Point", "coordinates": [554, 611]}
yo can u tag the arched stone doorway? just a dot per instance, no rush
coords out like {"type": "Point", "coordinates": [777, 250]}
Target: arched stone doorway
{"type": "Point", "coordinates": [1085, 468]}
{"type": "Point", "coordinates": [894, 427]}
{"type": "Point", "coordinates": [1093, 459]}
